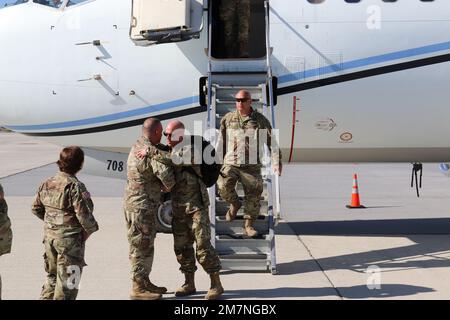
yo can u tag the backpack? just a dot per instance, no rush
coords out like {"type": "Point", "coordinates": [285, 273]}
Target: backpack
{"type": "Point", "coordinates": [210, 171]}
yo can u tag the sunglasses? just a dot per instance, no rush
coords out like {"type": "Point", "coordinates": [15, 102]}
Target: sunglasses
{"type": "Point", "coordinates": [242, 99]}
{"type": "Point", "coordinates": [167, 134]}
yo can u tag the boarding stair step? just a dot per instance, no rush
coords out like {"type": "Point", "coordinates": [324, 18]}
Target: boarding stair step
{"type": "Point", "coordinates": [235, 227]}
{"type": "Point", "coordinates": [227, 93]}
{"type": "Point", "coordinates": [228, 244]}
{"type": "Point", "coordinates": [245, 262]}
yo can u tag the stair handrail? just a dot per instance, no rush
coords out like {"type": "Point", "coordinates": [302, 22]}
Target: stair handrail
{"type": "Point", "coordinates": [268, 62]}
{"type": "Point", "coordinates": [208, 103]}
{"type": "Point", "coordinates": [272, 179]}
{"type": "Point", "coordinates": [271, 101]}
{"type": "Point", "coordinates": [211, 124]}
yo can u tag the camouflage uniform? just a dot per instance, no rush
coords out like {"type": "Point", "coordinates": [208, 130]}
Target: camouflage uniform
{"type": "Point", "coordinates": [238, 163]}
{"type": "Point", "coordinates": [235, 15]}
{"type": "Point", "coordinates": [141, 201]}
{"type": "Point", "coordinates": [5, 231]}
{"type": "Point", "coordinates": [66, 207]}
{"type": "Point", "coordinates": [190, 222]}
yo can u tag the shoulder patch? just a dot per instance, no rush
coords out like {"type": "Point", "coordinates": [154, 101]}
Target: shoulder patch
{"type": "Point", "coordinates": [86, 195]}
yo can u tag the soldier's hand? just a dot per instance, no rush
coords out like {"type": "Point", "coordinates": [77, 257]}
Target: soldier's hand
{"type": "Point", "coordinates": [164, 188]}
{"type": "Point", "coordinates": [141, 154]}
{"type": "Point", "coordinates": [278, 169]}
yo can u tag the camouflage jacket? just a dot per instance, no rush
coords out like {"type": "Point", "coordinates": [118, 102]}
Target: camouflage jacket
{"type": "Point", "coordinates": [145, 177]}
{"type": "Point", "coordinates": [65, 206]}
{"type": "Point", "coordinates": [242, 139]}
{"type": "Point", "coordinates": [189, 190]}
{"type": "Point", "coordinates": [5, 226]}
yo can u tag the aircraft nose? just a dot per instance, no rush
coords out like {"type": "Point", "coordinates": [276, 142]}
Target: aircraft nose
{"type": "Point", "coordinates": [16, 59]}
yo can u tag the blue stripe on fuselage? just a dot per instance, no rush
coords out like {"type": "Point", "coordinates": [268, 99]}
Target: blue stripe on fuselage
{"type": "Point", "coordinates": [364, 62]}
{"type": "Point", "coordinates": [110, 117]}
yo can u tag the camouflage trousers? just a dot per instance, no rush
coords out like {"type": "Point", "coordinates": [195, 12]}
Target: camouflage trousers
{"type": "Point", "coordinates": [64, 262]}
{"type": "Point", "coordinates": [189, 229]}
{"type": "Point", "coordinates": [251, 179]}
{"type": "Point", "coordinates": [5, 229]}
{"type": "Point", "coordinates": [235, 15]}
{"type": "Point", "coordinates": [141, 225]}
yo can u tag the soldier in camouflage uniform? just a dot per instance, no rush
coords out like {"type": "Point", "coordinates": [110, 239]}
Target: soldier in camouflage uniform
{"type": "Point", "coordinates": [241, 163]}
{"type": "Point", "coordinates": [5, 230]}
{"type": "Point", "coordinates": [66, 207]}
{"type": "Point", "coordinates": [235, 16]}
{"type": "Point", "coordinates": [146, 178]}
{"type": "Point", "coordinates": [190, 224]}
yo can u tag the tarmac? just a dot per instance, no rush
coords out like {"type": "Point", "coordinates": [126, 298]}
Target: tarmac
{"type": "Point", "coordinates": [397, 248]}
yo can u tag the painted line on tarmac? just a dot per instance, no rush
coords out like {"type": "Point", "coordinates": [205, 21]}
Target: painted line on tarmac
{"type": "Point", "coordinates": [338, 293]}
{"type": "Point", "coordinates": [27, 170]}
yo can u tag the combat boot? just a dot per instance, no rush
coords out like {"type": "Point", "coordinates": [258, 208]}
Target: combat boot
{"type": "Point", "coordinates": [249, 231]}
{"type": "Point", "coordinates": [232, 212]}
{"type": "Point", "coordinates": [216, 289]}
{"type": "Point", "coordinates": [140, 292]}
{"type": "Point", "coordinates": [188, 287]}
{"type": "Point", "coordinates": [155, 289]}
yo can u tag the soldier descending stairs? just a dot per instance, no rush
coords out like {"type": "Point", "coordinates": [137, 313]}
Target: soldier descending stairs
{"type": "Point", "coordinates": [241, 100]}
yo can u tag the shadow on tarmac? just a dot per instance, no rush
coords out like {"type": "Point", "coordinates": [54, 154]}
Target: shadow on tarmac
{"type": "Point", "coordinates": [395, 227]}
{"type": "Point", "coordinates": [355, 292]}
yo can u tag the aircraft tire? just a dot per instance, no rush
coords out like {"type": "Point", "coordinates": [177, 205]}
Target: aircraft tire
{"type": "Point", "coordinates": [164, 217]}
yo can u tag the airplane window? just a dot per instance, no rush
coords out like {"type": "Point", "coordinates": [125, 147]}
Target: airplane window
{"type": "Point", "coordinates": [316, 1]}
{"type": "Point", "coordinates": [352, 1]}
{"type": "Point", "coordinates": [74, 2]}
{"type": "Point", "coordinates": [50, 3]}
{"type": "Point", "coordinates": [9, 3]}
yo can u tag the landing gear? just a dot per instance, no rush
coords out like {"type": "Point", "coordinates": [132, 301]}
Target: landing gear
{"type": "Point", "coordinates": [164, 217]}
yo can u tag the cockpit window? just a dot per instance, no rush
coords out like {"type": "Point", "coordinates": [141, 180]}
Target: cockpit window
{"type": "Point", "coordinates": [50, 3]}
{"type": "Point", "coordinates": [9, 3]}
{"type": "Point", "coordinates": [74, 2]}
{"type": "Point", "coordinates": [57, 3]}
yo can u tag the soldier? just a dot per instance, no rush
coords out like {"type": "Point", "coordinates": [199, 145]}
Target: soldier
{"type": "Point", "coordinates": [66, 207]}
{"type": "Point", "coordinates": [190, 222]}
{"type": "Point", "coordinates": [236, 167]}
{"type": "Point", "coordinates": [5, 230]}
{"type": "Point", "coordinates": [235, 16]}
{"type": "Point", "coordinates": [145, 179]}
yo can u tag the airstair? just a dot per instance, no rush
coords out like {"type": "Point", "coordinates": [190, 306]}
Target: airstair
{"type": "Point", "coordinates": [225, 78]}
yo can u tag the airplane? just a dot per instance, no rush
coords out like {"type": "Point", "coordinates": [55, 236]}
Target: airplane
{"type": "Point", "coordinates": [357, 81]}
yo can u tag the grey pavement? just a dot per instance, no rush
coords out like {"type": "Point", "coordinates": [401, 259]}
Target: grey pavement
{"type": "Point", "coordinates": [19, 153]}
{"type": "Point", "coordinates": [324, 250]}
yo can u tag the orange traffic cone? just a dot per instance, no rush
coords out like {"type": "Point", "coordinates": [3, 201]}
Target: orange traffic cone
{"type": "Point", "coordinates": [355, 195]}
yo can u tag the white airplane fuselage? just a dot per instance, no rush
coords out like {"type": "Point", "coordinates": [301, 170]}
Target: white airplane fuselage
{"type": "Point", "coordinates": [357, 81]}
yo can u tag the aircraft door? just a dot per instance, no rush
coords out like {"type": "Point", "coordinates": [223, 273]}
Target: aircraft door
{"type": "Point", "coordinates": [165, 21]}
{"type": "Point", "coordinates": [238, 29]}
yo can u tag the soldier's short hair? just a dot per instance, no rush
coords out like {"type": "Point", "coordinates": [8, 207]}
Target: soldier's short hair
{"type": "Point", "coordinates": [70, 159]}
